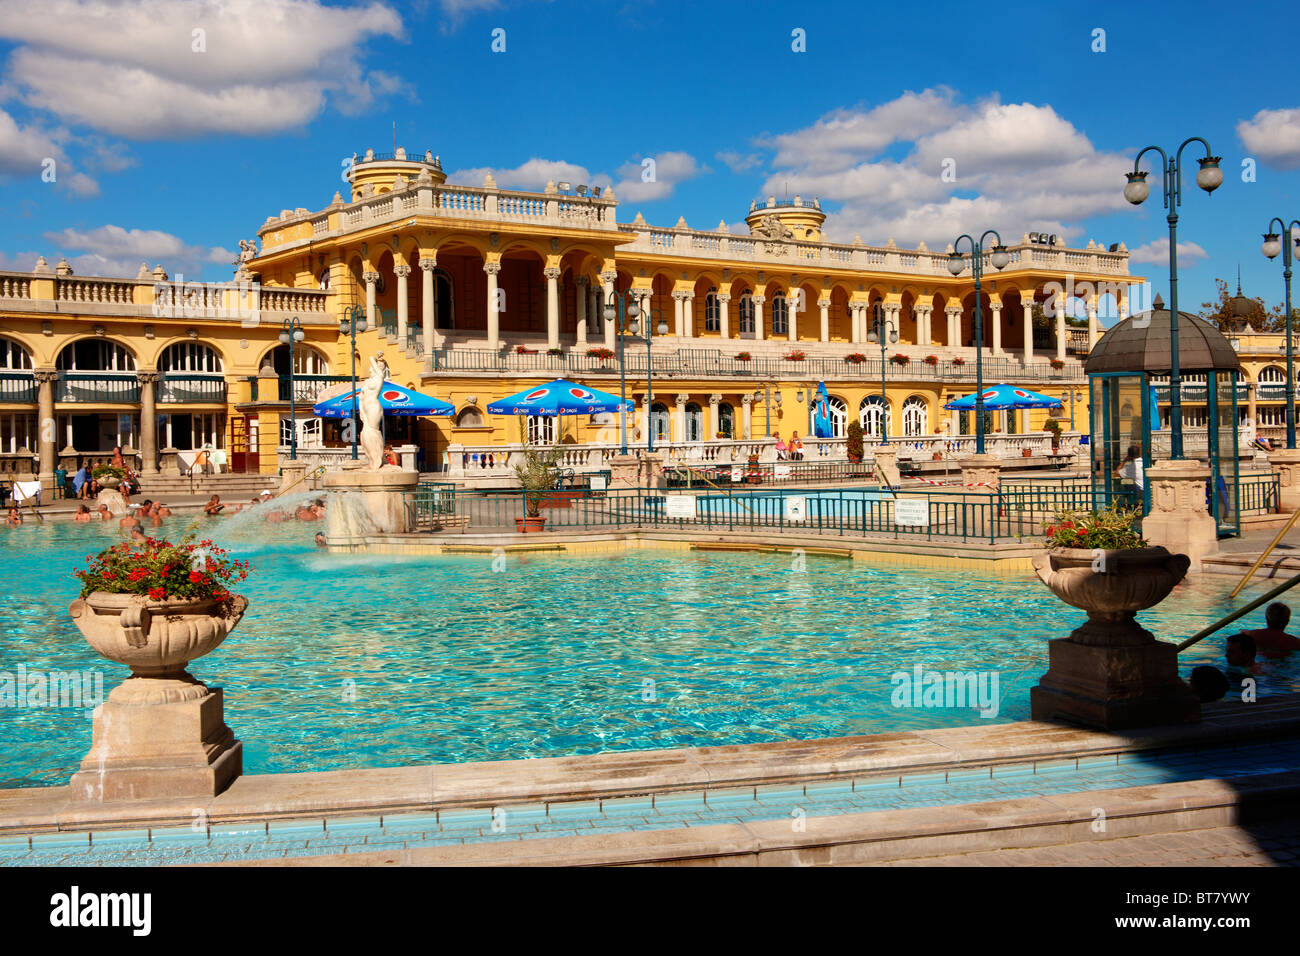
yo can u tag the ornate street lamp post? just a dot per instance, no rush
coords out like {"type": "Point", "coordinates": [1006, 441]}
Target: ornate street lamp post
{"type": "Point", "coordinates": [290, 333]}
{"type": "Point", "coordinates": [884, 332]}
{"type": "Point", "coordinates": [957, 265]}
{"type": "Point", "coordinates": [352, 322]}
{"type": "Point", "coordinates": [1272, 246]}
{"type": "Point", "coordinates": [626, 314]}
{"type": "Point", "coordinates": [1209, 178]}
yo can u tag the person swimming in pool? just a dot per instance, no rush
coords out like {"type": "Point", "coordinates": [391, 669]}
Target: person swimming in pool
{"type": "Point", "coordinates": [1273, 640]}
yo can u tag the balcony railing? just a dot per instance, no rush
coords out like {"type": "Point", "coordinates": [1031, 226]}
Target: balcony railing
{"type": "Point", "coordinates": [305, 387]}
{"type": "Point", "coordinates": [18, 388]}
{"type": "Point", "coordinates": [192, 389]}
{"type": "Point", "coordinates": [387, 321]}
{"type": "Point", "coordinates": [714, 363]}
{"type": "Point", "coordinates": [103, 387]}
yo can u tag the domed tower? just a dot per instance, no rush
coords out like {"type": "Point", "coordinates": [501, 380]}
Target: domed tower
{"type": "Point", "coordinates": [378, 171]}
{"type": "Point", "coordinates": [1244, 315]}
{"type": "Point", "coordinates": [786, 219]}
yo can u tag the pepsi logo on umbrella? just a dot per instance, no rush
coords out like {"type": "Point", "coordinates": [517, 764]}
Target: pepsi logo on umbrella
{"type": "Point", "coordinates": [582, 394]}
{"type": "Point", "coordinates": [394, 396]}
{"type": "Point", "coordinates": [536, 395]}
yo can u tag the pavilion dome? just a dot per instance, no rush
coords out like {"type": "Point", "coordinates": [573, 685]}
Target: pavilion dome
{"type": "Point", "coordinates": [1140, 343]}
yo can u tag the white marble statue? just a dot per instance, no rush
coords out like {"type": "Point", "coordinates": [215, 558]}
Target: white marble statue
{"type": "Point", "coordinates": [372, 413]}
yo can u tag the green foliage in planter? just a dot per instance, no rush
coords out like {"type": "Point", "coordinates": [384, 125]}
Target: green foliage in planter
{"type": "Point", "coordinates": [1110, 529]}
{"type": "Point", "coordinates": [601, 353]}
{"type": "Point", "coordinates": [108, 471]}
{"type": "Point", "coordinates": [855, 358]}
{"type": "Point", "coordinates": [853, 445]}
{"type": "Point", "coordinates": [743, 356]}
{"type": "Point", "coordinates": [160, 570]}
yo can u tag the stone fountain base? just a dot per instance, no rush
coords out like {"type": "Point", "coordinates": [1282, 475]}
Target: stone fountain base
{"type": "Point", "coordinates": [158, 739]}
{"type": "Point", "coordinates": [382, 508]}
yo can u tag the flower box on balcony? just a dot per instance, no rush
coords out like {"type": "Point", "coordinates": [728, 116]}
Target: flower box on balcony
{"type": "Point", "coordinates": [555, 351]}
{"type": "Point", "coordinates": [932, 360]}
{"type": "Point", "coordinates": [855, 358]}
{"type": "Point", "coordinates": [795, 356]}
{"type": "Point", "coordinates": [743, 356]}
{"type": "Point", "coordinates": [959, 361]}
{"type": "Point", "coordinates": [1057, 363]}
{"type": "Point", "coordinates": [601, 353]}
{"type": "Point", "coordinates": [899, 359]}
{"type": "Point", "coordinates": [523, 350]}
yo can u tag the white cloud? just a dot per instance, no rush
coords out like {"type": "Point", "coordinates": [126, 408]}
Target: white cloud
{"type": "Point", "coordinates": [1014, 167]}
{"type": "Point", "coordinates": [669, 169]}
{"type": "Point", "coordinates": [114, 251]}
{"type": "Point", "coordinates": [739, 162]}
{"type": "Point", "coordinates": [28, 151]}
{"type": "Point", "coordinates": [132, 68]}
{"type": "Point", "coordinates": [1273, 136]}
{"type": "Point", "coordinates": [1156, 252]}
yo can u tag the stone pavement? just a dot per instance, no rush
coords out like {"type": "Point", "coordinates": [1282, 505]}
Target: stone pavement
{"type": "Point", "coordinates": [1275, 843]}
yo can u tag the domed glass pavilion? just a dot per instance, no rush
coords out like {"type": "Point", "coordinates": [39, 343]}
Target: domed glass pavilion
{"type": "Point", "coordinates": [1128, 371]}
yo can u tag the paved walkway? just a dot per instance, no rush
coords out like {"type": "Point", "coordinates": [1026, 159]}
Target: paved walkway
{"type": "Point", "coordinates": [1274, 843]}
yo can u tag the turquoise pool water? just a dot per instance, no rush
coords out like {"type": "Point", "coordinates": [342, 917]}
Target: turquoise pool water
{"type": "Point", "coordinates": [384, 661]}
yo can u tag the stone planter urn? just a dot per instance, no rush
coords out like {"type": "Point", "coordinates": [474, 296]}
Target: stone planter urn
{"type": "Point", "coordinates": [1111, 672]}
{"type": "Point", "coordinates": [161, 732]}
{"type": "Point", "coordinates": [110, 482]}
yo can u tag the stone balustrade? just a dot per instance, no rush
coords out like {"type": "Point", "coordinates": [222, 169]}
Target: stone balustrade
{"type": "Point", "coordinates": [334, 459]}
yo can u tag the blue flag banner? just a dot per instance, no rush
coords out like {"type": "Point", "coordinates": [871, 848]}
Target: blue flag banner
{"type": "Point", "coordinates": [822, 427]}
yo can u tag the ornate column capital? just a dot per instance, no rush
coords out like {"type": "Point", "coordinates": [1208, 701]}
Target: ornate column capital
{"type": "Point", "coordinates": [715, 398]}
{"type": "Point", "coordinates": [428, 265]}
{"type": "Point", "coordinates": [401, 271]}
{"type": "Point", "coordinates": [370, 278]}
{"type": "Point", "coordinates": [148, 376]}
{"type": "Point", "coordinates": [551, 272]}
{"type": "Point", "coordinates": [681, 398]}
{"type": "Point", "coordinates": [582, 281]}
{"type": "Point", "coordinates": [688, 294]}
{"type": "Point", "coordinates": [608, 277]}
{"type": "Point", "coordinates": [43, 375]}
{"type": "Point", "coordinates": [724, 296]}
{"type": "Point", "coordinates": [491, 268]}
{"type": "Point", "coordinates": [758, 299]}
{"type": "Point", "coordinates": [678, 295]}
{"type": "Point", "coordinates": [747, 400]}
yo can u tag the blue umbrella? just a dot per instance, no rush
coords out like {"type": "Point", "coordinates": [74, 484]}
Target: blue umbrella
{"type": "Point", "coordinates": [1005, 397]}
{"type": "Point", "coordinates": [560, 397]}
{"type": "Point", "coordinates": [394, 399]}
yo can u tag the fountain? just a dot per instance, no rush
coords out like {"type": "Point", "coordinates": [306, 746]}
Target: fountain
{"type": "Point", "coordinates": [373, 494]}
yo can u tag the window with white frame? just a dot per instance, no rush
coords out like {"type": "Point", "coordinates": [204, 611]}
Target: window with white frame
{"type": "Point", "coordinates": [916, 417]}
{"type": "Point", "coordinates": [874, 417]}
{"type": "Point", "coordinates": [839, 415]}
{"type": "Point", "coordinates": [712, 312]}
{"type": "Point", "coordinates": [541, 429]}
{"type": "Point", "coordinates": [780, 315]}
{"type": "Point", "coordinates": [13, 357]}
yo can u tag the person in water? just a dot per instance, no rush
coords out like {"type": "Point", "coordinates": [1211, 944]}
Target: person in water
{"type": "Point", "coordinates": [1273, 640]}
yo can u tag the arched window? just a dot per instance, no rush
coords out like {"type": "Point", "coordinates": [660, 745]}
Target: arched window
{"type": "Point", "coordinates": [95, 355]}
{"type": "Point", "coordinates": [659, 421]}
{"type": "Point", "coordinates": [745, 314]}
{"type": "Point", "coordinates": [712, 311]}
{"type": "Point", "coordinates": [444, 300]}
{"type": "Point", "coordinates": [839, 414]}
{"type": "Point", "coordinates": [541, 429]}
{"type": "Point", "coordinates": [1272, 375]}
{"type": "Point", "coordinates": [726, 420]}
{"type": "Point", "coordinates": [306, 360]}
{"type": "Point", "coordinates": [780, 315]}
{"type": "Point", "coordinates": [193, 358]}
{"type": "Point", "coordinates": [916, 417]}
{"type": "Point", "coordinates": [324, 279]}
{"type": "Point", "coordinates": [13, 357]}
{"type": "Point", "coordinates": [469, 417]}
{"type": "Point", "coordinates": [694, 422]}
{"type": "Point", "coordinates": [873, 415]}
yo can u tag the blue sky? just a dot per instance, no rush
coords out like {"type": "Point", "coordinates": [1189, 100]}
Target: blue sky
{"type": "Point", "coordinates": [168, 153]}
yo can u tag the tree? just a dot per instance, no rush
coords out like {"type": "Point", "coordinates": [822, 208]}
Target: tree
{"type": "Point", "coordinates": [1261, 317]}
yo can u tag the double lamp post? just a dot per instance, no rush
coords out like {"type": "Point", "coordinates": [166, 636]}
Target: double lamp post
{"type": "Point", "coordinates": [628, 314]}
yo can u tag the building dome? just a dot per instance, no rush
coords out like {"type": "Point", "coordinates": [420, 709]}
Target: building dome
{"type": "Point", "coordinates": [786, 219]}
{"type": "Point", "coordinates": [1141, 344]}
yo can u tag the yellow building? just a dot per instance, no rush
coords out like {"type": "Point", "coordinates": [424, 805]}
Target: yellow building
{"type": "Point", "coordinates": [476, 292]}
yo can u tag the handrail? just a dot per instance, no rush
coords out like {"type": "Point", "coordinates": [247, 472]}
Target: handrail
{"type": "Point", "coordinates": [1199, 635]}
{"type": "Point", "coordinates": [1265, 553]}
{"type": "Point", "coordinates": [40, 518]}
{"type": "Point", "coordinates": [726, 491]}
{"type": "Point", "coordinates": [314, 473]}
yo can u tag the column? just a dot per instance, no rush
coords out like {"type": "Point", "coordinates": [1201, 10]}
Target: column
{"type": "Point", "coordinates": [715, 422]}
{"type": "Point", "coordinates": [678, 299]}
{"type": "Point", "coordinates": [853, 323]}
{"type": "Point", "coordinates": [824, 306]}
{"type": "Point", "coordinates": [45, 425]}
{"type": "Point", "coordinates": [552, 274]}
{"type": "Point", "coordinates": [581, 297]}
{"type": "Point", "coordinates": [679, 415]}
{"type": "Point", "coordinates": [148, 378]}
{"type": "Point", "coordinates": [688, 313]}
{"type": "Point", "coordinates": [793, 303]}
{"type": "Point", "coordinates": [1060, 332]}
{"type": "Point", "coordinates": [427, 314]}
{"type": "Point", "coordinates": [1094, 327]}
{"type": "Point", "coordinates": [953, 312]}
{"type": "Point", "coordinates": [894, 320]}
{"type": "Point", "coordinates": [401, 270]}
{"type": "Point", "coordinates": [747, 406]}
{"type": "Point", "coordinates": [995, 307]}
{"type": "Point", "coordinates": [493, 300]}
{"type": "Point", "coordinates": [607, 284]}
{"type": "Point", "coordinates": [1028, 306]}
{"type": "Point", "coordinates": [926, 317]}
{"type": "Point", "coordinates": [724, 319]}
{"type": "Point", "coordinates": [370, 279]}
{"type": "Point", "coordinates": [758, 316]}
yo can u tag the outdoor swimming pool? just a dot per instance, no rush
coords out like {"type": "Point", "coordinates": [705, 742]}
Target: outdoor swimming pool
{"type": "Point", "coordinates": [348, 662]}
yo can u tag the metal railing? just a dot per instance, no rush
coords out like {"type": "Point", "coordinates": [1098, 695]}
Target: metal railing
{"type": "Point", "coordinates": [431, 504]}
{"type": "Point", "coordinates": [118, 389]}
{"type": "Point", "coordinates": [698, 476]}
{"type": "Point", "coordinates": [387, 320]}
{"type": "Point", "coordinates": [1258, 493]}
{"type": "Point", "coordinates": [305, 387]}
{"type": "Point", "coordinates": [18, 388]}
{"type": "Point", "coordinates": [182, 388]}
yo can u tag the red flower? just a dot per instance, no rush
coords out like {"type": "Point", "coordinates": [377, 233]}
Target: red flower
{"type": "Point", "coordinates": [157, 594]}
{"type": "Point", "coordinates": [139, 573]}
{"type": "Point", "coordinates": [196, 577]}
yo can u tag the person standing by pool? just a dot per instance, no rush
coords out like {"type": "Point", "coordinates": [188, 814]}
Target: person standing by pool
{"type": "Point", "coordinates": [80, 480]}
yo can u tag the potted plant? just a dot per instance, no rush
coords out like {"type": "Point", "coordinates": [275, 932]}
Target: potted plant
{"type": "Point", "coordinates": [958, 360]}
{"type": "Point", "coordinates": [602, 353]}
{"type": "Point", "coordinates": [1053, 428]}
{"type": "Point", "coordinates": [743, 356]}
{"type": "Point", "coordinates": [855, 358]}
{"type": "Point", "coordinates": [110, 476]}
{"type": "Point", "coordinates": [853, 442]}
{"type": "Point", "coordinates": [524, 350]}
{"type": "Point", "coordinates": [157, 606]}
{"type": "Point", "coordinates": [795, 356]}
{"type": "Point", "coordinates": [537, 475]}
{"type": "Point", "coordinates": [932, 360]}
{"type": "Point", "coordinates": [1057, 363]}
{"type": "Point", "coordinates": [1027, 452]}
{"type": "Point", "coordinates": [555, 351]}
{"type": "Point", "coordinates": [899, 359]}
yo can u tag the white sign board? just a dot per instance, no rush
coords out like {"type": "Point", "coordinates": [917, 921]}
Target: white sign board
{"type": "Point", "coordinates": [781, 471]}
{"type": "Point", "coordinates": [796, 508]}
{"type": "Point", "coordinates": [737, 473]}
{"type": "Point", "coordinates": [598, 483]}
{"type": "Point", "coordinates": [912, 512]}
{"type": "Point", "coordinates": [679, 506]}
